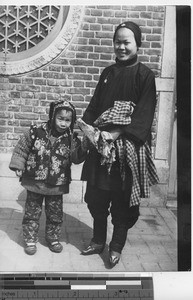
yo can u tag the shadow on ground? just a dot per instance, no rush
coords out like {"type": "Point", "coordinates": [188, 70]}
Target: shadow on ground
{"type": "Point", "coordinates": [74, 231]}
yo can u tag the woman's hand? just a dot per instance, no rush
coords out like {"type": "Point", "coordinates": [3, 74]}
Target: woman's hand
{"type": "Point", "coordinates": [115, 133]}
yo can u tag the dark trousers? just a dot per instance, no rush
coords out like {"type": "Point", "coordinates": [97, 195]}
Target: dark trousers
{"type": "Point", "coordinates": [101, 203]}
{"type": "Point", "coordinates": [33, 210]}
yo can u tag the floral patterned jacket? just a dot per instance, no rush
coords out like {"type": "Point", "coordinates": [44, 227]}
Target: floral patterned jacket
{"type": "Point", "coordinates": [43, 158]}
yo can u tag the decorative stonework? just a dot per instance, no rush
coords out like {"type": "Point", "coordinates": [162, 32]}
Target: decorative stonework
{"type": "Point", "coordinates": [23, 27]}
{"type": "Point", "coordinates": [32, 36]}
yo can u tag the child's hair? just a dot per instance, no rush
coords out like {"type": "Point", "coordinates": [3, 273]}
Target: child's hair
{"type": "Point", "coordinates": [59, 105]}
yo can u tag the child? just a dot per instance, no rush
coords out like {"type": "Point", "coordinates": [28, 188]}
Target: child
{"type": "Point", "coordinates": [42, 159]}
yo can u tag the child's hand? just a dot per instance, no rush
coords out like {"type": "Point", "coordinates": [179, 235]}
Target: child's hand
{"type": "Point", "coordinates": [19, 173]}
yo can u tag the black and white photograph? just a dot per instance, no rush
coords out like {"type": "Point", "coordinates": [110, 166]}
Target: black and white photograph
{"type": "Point", "coordinates": [88, 139]}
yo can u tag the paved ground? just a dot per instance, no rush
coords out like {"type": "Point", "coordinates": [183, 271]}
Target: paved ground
{"type": "Point", "coordinates": [151, 244]}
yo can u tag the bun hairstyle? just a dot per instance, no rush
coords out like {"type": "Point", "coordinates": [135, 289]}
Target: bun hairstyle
{"type": "Point", "coordinates": [133, 27]}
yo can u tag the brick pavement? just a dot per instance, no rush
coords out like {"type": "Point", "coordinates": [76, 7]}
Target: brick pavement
{"type": "Point", "coordinates": [151, 244]}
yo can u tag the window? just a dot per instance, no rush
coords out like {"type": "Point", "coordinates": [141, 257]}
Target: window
{"type": "Point", "coordinates": [32, 36]}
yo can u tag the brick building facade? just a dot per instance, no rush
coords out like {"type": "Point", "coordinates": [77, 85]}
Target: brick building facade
{"type": "Point", "coordinates": [74, 73]}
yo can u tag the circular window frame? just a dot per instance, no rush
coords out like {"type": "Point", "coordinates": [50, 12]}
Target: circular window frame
{"type": "Point", "coordinates": [68, 22]}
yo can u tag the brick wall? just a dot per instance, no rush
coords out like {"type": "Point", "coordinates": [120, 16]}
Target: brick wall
{"type": "Point", "coordinates": [25, 99]}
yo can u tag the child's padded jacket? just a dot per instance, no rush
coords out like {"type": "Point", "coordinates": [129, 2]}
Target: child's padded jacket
{"type": "Point", "coordinates": [39, 159]}
{"type": "Point", "coordinates": [45, 156]}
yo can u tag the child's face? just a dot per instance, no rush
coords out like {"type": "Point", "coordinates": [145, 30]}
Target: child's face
{"type": "Point", "coordinates": [63, 120]}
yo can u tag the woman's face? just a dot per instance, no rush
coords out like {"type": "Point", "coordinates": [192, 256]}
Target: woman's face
{"type": "Point", "coordinates": [125, 46]}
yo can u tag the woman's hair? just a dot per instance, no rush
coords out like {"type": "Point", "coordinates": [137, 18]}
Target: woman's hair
{"type": "Point", "coordinates": [133, 27]}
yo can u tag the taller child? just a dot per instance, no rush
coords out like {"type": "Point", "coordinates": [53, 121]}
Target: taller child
{"type": "Point", "coordinates": [42, 159]}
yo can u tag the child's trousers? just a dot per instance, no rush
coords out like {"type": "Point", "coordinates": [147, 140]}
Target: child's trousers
{"type": "Point", "coordinates": [33, 210]}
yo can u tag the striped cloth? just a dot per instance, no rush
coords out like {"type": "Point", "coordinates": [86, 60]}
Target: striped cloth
{"type": "Point", "coordinates": [119, 114]}
{"type": "Point", "coordinates": [138, 158]}
{"type": "Point", "coordinates": [142, 166]}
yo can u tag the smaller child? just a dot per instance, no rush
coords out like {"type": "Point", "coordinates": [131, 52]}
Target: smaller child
{"type": "Point", "coordinates": [42, 159]}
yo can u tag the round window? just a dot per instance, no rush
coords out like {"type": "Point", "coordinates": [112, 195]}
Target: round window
{"type": "Point", "coordinates": [32, 36]}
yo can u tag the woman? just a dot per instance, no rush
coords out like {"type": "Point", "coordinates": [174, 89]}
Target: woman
{"type": "Point", "coordinates": [120, 188]}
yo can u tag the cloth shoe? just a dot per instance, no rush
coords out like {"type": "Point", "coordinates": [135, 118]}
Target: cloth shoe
{"type": "Point", "coordinates": [114, 258]}
{"type": "Point", "coordinates": [30, 248]}
{"type": "Point", "coordinates": [93, 248]}
{"type": "Point", "coordinates": [55, 246]}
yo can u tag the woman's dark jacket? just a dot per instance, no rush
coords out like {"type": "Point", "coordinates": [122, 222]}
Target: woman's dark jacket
{"type": "Point", "coordinates": [127, 81]}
